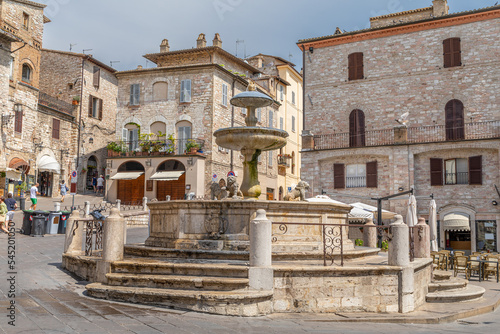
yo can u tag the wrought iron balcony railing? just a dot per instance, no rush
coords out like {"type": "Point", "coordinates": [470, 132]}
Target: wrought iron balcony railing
{"type": "Point", "coordinates": [155, 147]}
{"type": "Point", "coordinates": [410, 135]}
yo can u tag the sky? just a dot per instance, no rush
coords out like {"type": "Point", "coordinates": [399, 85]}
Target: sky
{"type": "Point", "coordinates": [122, 31]}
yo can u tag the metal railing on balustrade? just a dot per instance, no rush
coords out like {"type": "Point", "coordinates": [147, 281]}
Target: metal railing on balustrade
{"type": "Point", "coordinates": [411, 135]}
{"type": "Point", "coordinates": [155, 147]}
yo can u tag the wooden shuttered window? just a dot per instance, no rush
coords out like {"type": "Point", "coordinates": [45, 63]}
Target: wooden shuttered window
{"type": "Point", "coordinates": [454, 120]}
{"type": "Point", "coordinates": [356, 66]}
{"type": "Point", "coordinates": [476, 170]}
{"type": "Point", "coordinates": [97, 76]}
{"type": "Point", "coordinates": [18, 122]}
{"type": "Point", "coordinates": [371, 175]}
{"type": "Point", "coordinates": [56, 125]}
{"type": "Point", "coordinates": [452, 52]}
{"type": "Point", "coordinates": [91, 105]}
{"type": "Point", "coordinates": [338, 176]}
{"type": "Point", "coordinates": [357, 128]}
{"type": "Point", "coordinates": [95, 107]}
{"type": "Point", "coordinates": [436, 172]}
{"type": "Point", "coordinates": [135, 94]}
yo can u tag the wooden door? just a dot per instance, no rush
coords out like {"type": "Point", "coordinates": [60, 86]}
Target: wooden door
{"type": "Point", "coordinates": [357, 128]}
{"type": "Point", "coordinates": [454, 113]}
{"type": "Point", "coordinates": [175, 189]}
{"type": "Point", "coordinates": [131, 191]}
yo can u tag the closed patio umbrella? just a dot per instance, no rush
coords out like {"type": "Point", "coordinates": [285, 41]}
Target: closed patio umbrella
{"type": "Point", "coordinates": [433, 225]}
{"type": "Point", "coordinates": [411, 216]}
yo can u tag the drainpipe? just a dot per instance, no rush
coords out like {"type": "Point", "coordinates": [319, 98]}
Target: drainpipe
{"type": "Point", "coordinates": [80, 116]}
{"type": "Point", "coordinates": [303, 87]}
{"type": "Point", "coordinates": [232, 123]}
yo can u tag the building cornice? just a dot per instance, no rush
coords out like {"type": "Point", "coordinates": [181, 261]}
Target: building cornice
{"type": "Point", "coordinates": [382, 32]}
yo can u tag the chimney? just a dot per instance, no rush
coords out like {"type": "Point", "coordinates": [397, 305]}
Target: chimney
{"type": "Point", "coordinates": [217, 41]}
{"type": "Point", "coordinates": [201, 42]}
{"type": "Point", "coordinates": [139, 67]}
{"type": "Point", "coordinates": [440, 7]}
{"type": "Point", "coordinates": [164, 47]}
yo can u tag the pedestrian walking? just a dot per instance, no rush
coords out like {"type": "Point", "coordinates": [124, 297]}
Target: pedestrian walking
{"type": "Point", "coordinates": [11, 204]}
{"type": "Point", "coordinates": [100, 185]}
{"type": "Point", "coordinates": [33, 193]}
{"type": "Point", "coordinates": [94, 183]}
{"type": "Point", "coordinates": [3, 215]}
{"type": "Point", "coordinates": [64, 189]}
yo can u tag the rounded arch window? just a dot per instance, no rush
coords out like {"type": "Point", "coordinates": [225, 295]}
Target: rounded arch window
{"type": "Point", "coordinates": [454, 118]}
{"type": "Point", "coordinates": [131, 166]}
{"type": "Point", "coordinates": [160, 91]}
{"type": "Point", "coordinates": [27, 71]}
{"type": "Point", "coordinates": [171, 165]}
{"type": "Point", "coordinates": [159, 129]}
{"type": "Point", "coordinates": [184, 133]}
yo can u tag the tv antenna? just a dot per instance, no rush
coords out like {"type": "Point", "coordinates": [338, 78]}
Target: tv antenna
{"type": "Point", "coordinates": [71, 46]}
{"type": "Point", "coordinates": [112, 62]}
{"type": "Point", "coordinates": [86, 50]}
{"type": "Point", "coordinates": [239, 41]}
{"type": "Point", "coordinates": [290, 56]}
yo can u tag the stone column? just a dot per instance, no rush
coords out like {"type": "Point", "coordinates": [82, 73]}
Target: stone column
{"type": "Point", "coordinates": [422, 240]}
{"type": "Point", "coordinates": [399, 255]}
{"type": "Point", "coordinates": [145, 203]}
{"type": "Point", "coordinates": [74, 234]}
{"type": "Point", "coordinates": [260, 273]}
{"type": "Point", "coordinates": [370, 234]}
{"type": "Point", "coordinates": [118, 204]}
{"type": "Point", "coordinates": [87, 208]}
{"type": "Point", "coordinates": [112, 243]}
{"type": "Point", "coordinates": [250, 185]}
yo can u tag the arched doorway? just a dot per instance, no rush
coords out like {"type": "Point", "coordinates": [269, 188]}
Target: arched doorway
{"type": "Point", "coordinates": [130, 182]}
{"type": "Point", "coordinates": [171, 180]}
{"type": "Point", "coordinates": [457, 231]}
{"type": "Point", "coordinates": [357, 128]}
{"type": "Point", "coordinates": [454, 115]}
{"type": "Point", "coordinates": [92, 172]}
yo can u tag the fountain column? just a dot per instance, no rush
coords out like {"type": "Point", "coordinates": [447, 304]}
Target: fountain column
{"type": "Point", "coordinates": [250, 186]}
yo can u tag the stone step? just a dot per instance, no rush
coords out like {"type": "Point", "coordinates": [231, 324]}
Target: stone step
{"type": "Point", "coordinates": [249, 303]}
{"type": "Point", "coordinates": [453, 284]}
{"type": "Point", "coordinates": [199, 268]}
{"type": "Point", "coordinates": [177, 282]}
{"type": "Point", "coordinates": [441, 275]}
{"type": "Point", "coordinates": [471, 292]}
{"type": "Point", "coordinates": [145, 251]}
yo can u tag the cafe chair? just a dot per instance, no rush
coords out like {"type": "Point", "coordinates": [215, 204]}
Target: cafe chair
{"type": "Point", "coordinates": [461, 265]}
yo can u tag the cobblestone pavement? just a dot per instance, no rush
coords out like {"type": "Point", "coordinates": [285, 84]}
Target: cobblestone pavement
{"type": "Point", "coordinates": [49, 300]}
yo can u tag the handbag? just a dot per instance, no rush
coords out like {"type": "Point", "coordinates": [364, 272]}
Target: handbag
{"type": "Point", "coordinates": [67, 189]}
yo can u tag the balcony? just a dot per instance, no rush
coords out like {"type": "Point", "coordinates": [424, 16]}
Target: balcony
{"type": "Point", "coordinates": [457, 178]}
{"type": "Point", "coordinates": [410, 135]}
{"type": "Point", "coordinates": [148, 148]}
{"type": "Point", "coordinates": [355, 181]}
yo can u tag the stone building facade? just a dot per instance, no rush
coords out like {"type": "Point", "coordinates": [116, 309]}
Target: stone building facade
{"type": "Point", "coordinates": [285, 85]}
{"type": "Point", "coordinates": [179, 103]}
{"type": "Point", "coordinates": [21, 24]}
{"type": "Point", "coordinates": [62, 74]}
{"type": "Point", "coordinates": [410, 103]}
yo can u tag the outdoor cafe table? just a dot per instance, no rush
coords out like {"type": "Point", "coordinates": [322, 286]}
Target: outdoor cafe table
{"type": "Point", "coordinates": [482, 263]}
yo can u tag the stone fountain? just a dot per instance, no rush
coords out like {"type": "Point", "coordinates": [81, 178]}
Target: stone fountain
{"type": "Point", "coordinates": [251, 140]}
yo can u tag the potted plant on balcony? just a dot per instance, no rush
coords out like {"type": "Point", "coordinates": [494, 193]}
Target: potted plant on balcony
{"type": "Point", "coordinates": [76, 100]}
{"type": "Point", "coordinates": [192, 146]}
{"type": "Point", "coordinates": [113, 149]}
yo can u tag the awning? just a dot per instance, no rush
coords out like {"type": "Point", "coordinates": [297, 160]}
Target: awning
{"type": "Point", "coordinates": [13, 174]}
{"type": "Point", "coordinates": [454, 222]}
{"type": "Point", "coordinates": [48, 164]}
{"type": "Point", "coordinates": [126, 176]}
{"type": "Point", "coordinates": [167, 176]}
{"type": "Point", "coordinates": [372, 209]}
{"type": "Point", "coordinates": [18, 162]}
{"type": "Point", "coordinates": [357, 214]}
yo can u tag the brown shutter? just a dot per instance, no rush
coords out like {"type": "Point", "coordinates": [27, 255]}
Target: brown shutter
{"type": "Point", "coordinates": [436, 172]}
{"type": "Point", "coordinates": [18, 122]}
{"type": "Point", "coordinates": [90, 105]}
{"type": "Point", "coordinates": [338, 176]}
{"type": "Point", "coordinates": [55, 128]}
{"type": "Point", "coordinates": [97, 76]}
{"type": "Point", "coordinates": [447, 52]}
{"type": "Point", "coordinates": [371, 174]}
{"type": "Point", "coordinates": [476, 170]}
{"type": "Point", "coordinates": [100, 109]}
{"type": "Point", "coordinates": [456, 52]}
{"type": "Point", "coordinates": [352, 66]}
{"type": "Point", "coordinates": [360, 128]}
{"type": "Point", "coordinates": [359, 66]}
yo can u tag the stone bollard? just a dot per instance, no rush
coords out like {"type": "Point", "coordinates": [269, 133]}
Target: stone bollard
{"type": "Point", "coordinates": [167, 198]}
{"type": "Point", "coordinates": [112, 243]}
{"type": "Point", "coordinates": [57, 206]}
{"type": "Point", "coordinates": [87, 208]}
{"type": "Point", "coordinates": [399, 255]}
{"type": "Point", "coordinates": [422, 240]}
{"type": "Point", "coordinates": [118, 204]}
{"type": "Point", "coordinates": [145, 204]}
{"type": "Point", "coordinates": [399, 243]}
{"type": "Point", "coordinates": [370, 234]}
{"type": "Point", "coordinates": [74, 234]}
{"type": "Point", "coordinates": [260, 273]}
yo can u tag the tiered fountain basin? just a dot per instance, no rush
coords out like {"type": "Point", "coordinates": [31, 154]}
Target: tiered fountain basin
{"type": "Point", "coordinates": [251, 138]}
{"type": "Point", "coordinates": [224, 225]}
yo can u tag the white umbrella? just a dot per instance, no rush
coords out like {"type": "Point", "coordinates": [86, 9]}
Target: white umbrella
{"type": "Point", "coordinates": [433, 225]}
{"type": "Point", "coordinates": [411, 216]}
